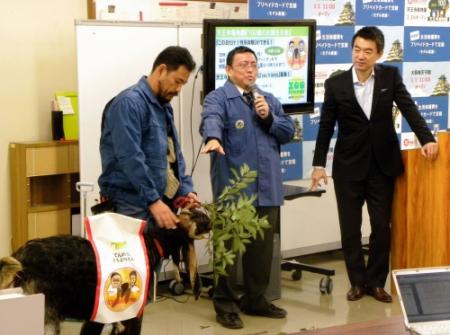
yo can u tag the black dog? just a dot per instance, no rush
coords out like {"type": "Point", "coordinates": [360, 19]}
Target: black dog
{"type": "Point", "coordinates": [64, 269]}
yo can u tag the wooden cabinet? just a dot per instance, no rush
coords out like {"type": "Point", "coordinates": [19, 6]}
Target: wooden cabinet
{"type": "Point", "coordinates": [421, 217]}
{"type": "Point", "coordinates": [43, 195]}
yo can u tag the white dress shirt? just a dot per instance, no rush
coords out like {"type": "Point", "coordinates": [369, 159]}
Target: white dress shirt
{"type": "Point", "coordinates": [364, 92]}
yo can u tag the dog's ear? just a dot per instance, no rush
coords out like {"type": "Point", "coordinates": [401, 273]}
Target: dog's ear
{"type": "Point", "coordinates": [195, 222]}
{"type": "Point", "coordinates": [202, 222]}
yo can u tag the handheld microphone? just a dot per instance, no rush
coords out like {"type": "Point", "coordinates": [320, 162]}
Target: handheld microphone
{"type": "Point", "coordinates": [255, 91]}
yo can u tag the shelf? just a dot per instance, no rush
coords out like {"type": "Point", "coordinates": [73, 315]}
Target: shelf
{"type": "Point", "coordinates": [43, 193]}
{"type": "Point", "coordinates": [46, 190]}
{"type": "Point", "coordinates": [52, 207]}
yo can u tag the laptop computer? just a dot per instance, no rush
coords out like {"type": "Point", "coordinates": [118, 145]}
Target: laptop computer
{"type": "Point", "coordinates": [424, 295]}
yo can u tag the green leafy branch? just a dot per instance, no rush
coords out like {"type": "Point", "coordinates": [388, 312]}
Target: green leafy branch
{"type": "Point", "coordinates": [234, 220]}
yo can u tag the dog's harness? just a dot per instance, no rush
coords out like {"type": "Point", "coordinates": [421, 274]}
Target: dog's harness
{"type": "Point", "coordinates": [156, 251]}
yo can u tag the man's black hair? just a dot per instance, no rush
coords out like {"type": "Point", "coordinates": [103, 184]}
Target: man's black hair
{"type": "Point", "coordinates": [238, 50]}
{"type": "Point", "coordinates": [373, 34]}
{"type": "Point", "coordinates": [174, 57]}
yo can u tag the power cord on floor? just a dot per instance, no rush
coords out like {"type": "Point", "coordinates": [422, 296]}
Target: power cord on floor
{"type": "Point", "coordinates": [164, 297]}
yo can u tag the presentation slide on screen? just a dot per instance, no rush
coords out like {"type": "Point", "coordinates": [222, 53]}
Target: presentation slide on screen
{"type": "Point", "coordinates": [282, 58]}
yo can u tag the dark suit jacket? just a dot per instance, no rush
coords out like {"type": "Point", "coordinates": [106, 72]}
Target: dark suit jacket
{"type": "Point", "coordinates": [358, 136]}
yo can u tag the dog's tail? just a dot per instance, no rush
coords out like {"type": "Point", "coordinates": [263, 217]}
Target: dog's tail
{"type": "Point", "coordinates": [9, 267]}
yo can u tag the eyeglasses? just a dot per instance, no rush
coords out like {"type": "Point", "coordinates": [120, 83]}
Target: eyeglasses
{"type": "Point", "coordinates": [246, 65]}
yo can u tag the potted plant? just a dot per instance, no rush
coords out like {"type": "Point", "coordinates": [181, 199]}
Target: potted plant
{"type": "Point", "coordinates": [235, 222]}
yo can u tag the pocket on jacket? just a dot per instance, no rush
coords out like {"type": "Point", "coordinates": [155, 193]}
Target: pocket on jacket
{"type": "Point", "coordinates": [236, 137]}
{"type": "Point", "coordinates": [155, 147]}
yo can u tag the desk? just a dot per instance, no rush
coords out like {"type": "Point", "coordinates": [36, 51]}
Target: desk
{"type": "Point", "coordinates": [291, 192]}
{"type": "Point", "coordinates": [388, 326]}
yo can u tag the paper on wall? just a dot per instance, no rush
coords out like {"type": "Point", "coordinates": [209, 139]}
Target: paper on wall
{"type": "Point", "coordinates": [65, 104]}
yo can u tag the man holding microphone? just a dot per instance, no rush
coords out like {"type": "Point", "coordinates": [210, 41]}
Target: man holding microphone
{"type": "Point", "coordinates": [242, 124]}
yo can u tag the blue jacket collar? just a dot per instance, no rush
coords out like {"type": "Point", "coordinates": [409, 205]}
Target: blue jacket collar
{"type": "Point", "coordinates": [146, 89]}
{"type": "Point", "coordinates": [230, 90]}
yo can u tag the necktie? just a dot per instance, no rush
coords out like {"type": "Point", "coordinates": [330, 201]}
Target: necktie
{"type": "Point", "coordinates": [248, 97]}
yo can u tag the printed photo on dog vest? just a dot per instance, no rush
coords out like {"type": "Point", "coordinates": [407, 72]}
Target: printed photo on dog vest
{"type": "Point", "coordinates": [122, 289]}
{"type": "Point", "coordinates": [122, 266]}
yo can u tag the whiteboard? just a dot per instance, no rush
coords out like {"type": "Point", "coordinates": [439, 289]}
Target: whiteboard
{"type": "Point", "coordinates": [112, 56]}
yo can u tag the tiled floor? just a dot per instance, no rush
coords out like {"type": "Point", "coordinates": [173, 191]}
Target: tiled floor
{"type": "Point", "coordinates": [306, 306]}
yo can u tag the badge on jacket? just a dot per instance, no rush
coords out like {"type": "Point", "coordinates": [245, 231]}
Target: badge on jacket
{"type": "Point", "coordinates": [239, 124]}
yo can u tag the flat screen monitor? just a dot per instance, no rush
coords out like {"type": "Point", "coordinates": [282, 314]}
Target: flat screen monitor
{"type": "Point", "coordinates": [285, 51]}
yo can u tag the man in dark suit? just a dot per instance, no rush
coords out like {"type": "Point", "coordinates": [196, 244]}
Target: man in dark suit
{"type": "Point", "coordinates": [366, 157]}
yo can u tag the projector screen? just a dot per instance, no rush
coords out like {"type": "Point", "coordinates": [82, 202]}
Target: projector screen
{"type": "Point", "coordinates": [285, 51]}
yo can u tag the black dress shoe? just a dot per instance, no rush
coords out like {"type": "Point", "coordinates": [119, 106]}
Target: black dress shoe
{"type": "Point", "coordinates": [272, 311]}
{"type": "Point", "coordinates": [379, 294]}
{"type": "Point", "coordinates": [355, 293]}
{"type": "Point", "coordinates": [230, 320]}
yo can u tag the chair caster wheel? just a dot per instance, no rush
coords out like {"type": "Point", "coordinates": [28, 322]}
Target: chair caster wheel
{"type": "Point", "coordinates": [296, 275]}
{"type": "Point", "coordinates": [326, 285]}
{"type": "Point", "coordinates": [176, 288]}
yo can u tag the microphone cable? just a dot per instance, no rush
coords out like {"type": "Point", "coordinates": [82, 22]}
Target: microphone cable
{"type": "Point", "coordinates": [194, 160]}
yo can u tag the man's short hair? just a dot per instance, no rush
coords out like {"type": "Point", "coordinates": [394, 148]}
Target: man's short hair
{"type": "Point", "coordinates": [371, 33]}
{"type": "Point", "coordinates": [174, 57]}
{"type": "Point", "coordinates": [238, 50]}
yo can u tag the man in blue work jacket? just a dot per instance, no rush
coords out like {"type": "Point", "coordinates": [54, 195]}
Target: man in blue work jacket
{"type": "Point", "coordinates": [240, 125]}
{"type": "Point", "coordinates": [143, 168]}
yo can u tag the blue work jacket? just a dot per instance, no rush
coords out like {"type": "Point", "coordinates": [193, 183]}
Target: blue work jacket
{"type": "Point", "coordinates": [133, 147]}
{"type": "Point", "coordinates": [228, 118]}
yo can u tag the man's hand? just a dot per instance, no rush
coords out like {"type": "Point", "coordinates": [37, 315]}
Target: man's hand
{"type": "Point", "coordinates": [163, 215]}
{"type": "Point", "coordinates": [213, 145]}
{"type": "Point", "coordinates": [317, 175]}
{"type": "Point", "coordinates": [261, 107]}
{"type": "Point", "coordinates": [195, 199]}
{"type": "Point", "coordinates": [430, 150]}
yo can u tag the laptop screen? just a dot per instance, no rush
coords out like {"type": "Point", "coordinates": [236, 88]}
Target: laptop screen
{"type": "Point", "coordinates": [426, 296]}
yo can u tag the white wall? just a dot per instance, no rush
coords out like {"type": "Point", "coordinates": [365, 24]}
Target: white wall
{"type": "Point", "coordinates": [37, 43]}
{"type": "Point", "coordinates": [310, 224]}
